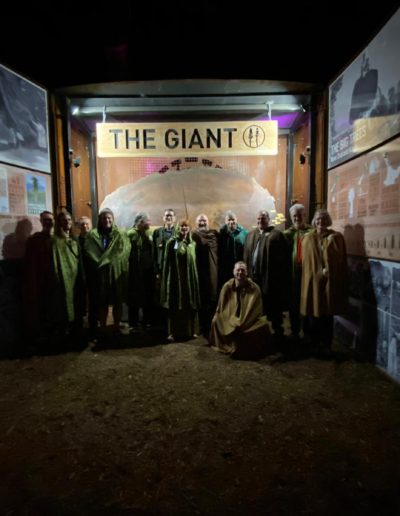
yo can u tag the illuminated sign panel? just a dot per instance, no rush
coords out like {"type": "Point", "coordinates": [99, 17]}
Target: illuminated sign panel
{"type": "Point", "coordinates": [253, 138]}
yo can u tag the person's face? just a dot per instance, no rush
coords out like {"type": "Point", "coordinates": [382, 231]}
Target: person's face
{"type": "Point", "coordinates": [184, 230]}
{"type": "Point", "coordinates": [169, 218]}
{"type": "Point", "coordinates": [66, 223]}
{"type": "Point", "coordinates": [106, 220]}
{"type": "Point", "coordinates": [47, 221]}
{"type": "Point", "coordinates": [144, 224]}
{"type": "Point", "coordinates": [231, 222]}
{"type": "Point", "coordinates": [85, 226]}
{"type": "Point", "coordinates": [321, 222]}
{"type": "Point", "coordinates": [240, 272]}
{"type": "Point", "coordinates": [298, 218]}
{"type": "Point", "coordinates": [262, 220]}
{"type": "Point", "coordinates": [202, 222]}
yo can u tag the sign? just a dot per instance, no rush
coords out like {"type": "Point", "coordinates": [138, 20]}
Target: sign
{"type": "Point", "coordinates": [364, 202]}
{"type": "Point", "coordinates": [364, 107]}
{"type": "Point", "coordinates": [253, 138]}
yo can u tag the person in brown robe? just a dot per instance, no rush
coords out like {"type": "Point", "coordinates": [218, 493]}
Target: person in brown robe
{"type": "Point", "coordinates": [294, 236]}
{"type": "Point", "coordinates": [267, 256]}
{"type": "Point", "coordinates": [37, 280]}
{"type": "Point", "coordinates": [207, 266]}
{"type": "Point", "coordinates": [324, 279]}
{"type": "Point", "coordinates": [239, 327]}
{"type": "Point", "coordinates": [141, 272]}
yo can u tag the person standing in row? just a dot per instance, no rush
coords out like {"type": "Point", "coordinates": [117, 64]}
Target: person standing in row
{"type": "Point", "coordinates": [141, 272]}
{"type": "Point", "coordinates": [207, 267]}
{"type": "Point", "coordinates": [37, 279]}
{"type": "Point", "coordinates": [230, 247]}
{"type": "Point", "coordinates": [106, 251]}
{"type": "Point", "coordinates": [324, 279]}
{"type": "Point", "coordinates": [161, 236]}
{"type": "Point", "coordinates": [180, 284]}
{"type": "Point", "coordinates": [266, 254]}
{"type": "Point", "coordinates": [67, 279]}
{"type": "Point", "coordinates": [294, 236]}
{"type": "Point", "coordinates": [85, 226]}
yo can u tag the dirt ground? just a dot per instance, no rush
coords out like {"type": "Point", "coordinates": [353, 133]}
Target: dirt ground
{"type": "Point", "coordinates": [174, 429]}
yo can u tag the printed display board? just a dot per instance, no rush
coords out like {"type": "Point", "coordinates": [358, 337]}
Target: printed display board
{"type": "Point", "coordinates": [364, 101]}
{"type": "Point", "coordinates": [364, 202]}
{"type": "Point", "coordinates": [22, 197]}
{"type": "Point", "coordinates": [24, 139]}
{"type": "Point", "coordinates": [386, 284]}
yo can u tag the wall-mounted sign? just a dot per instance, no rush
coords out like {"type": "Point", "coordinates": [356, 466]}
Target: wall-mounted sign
{"type": "Point", "coordinates": [253, 138]}
{"type": "Point", "coordinates": [364, 106]}
{"type": "Point", "coordinates": [24, 138]}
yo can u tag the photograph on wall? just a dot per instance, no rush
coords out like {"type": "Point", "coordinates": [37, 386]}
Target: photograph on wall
{"type": "Point", "coordinates": [393, 355]}
{"type": "Point", "coordinates": [382, 339]}
{"type": "Point", "coordinates": [24, 139]}
{"type": "Point", "coordinates": [364, 202]}
{"type": "Point", "coordinates": [4, 201]}
{"type": "Point", "coordinates": [364, 101]}
{"type": "Point", "coordinates": [36, 193]}
{"type": "Point", "coordinates": [386, 285]}
{"type": "Point", "coordinates": [381, 275]}
{"type": "Point", "coordinates": [396, 290]}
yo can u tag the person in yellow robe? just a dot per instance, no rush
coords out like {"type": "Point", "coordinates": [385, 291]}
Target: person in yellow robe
{"type": "Point", "coordinates": [239, 327]}
{"type": "Point", "coordinates": [324, 279]}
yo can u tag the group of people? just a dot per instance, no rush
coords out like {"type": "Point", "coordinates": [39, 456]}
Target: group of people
{"type": "Point", "coordinates": [230, 285]}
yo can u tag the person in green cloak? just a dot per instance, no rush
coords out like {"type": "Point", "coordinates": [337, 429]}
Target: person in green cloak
{"type": "Point", "coordinates": [106, 251]}
{"type": "Point", "coordinates": [67, 279]}
{"type": "Point", "coordinates": [180, 293]}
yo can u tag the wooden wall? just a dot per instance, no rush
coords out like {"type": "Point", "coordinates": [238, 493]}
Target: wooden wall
{"type": "Point", "coordinates": [80, 176]}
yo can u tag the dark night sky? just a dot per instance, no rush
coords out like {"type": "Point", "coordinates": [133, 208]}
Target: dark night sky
{"type": "Point", "coordinates": [184, 39]}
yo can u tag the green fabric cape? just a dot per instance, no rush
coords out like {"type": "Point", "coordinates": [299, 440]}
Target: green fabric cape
{"type": "Point", "coordinates": [176, 291]}
{"type": "Point", "coordinates": [107, 269]}
{"type": "Point", "coordinates": [68, 279]}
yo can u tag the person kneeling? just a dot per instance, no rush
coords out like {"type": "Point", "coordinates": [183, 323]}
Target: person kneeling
{"type": "Point", "coordinates": [239, 327]}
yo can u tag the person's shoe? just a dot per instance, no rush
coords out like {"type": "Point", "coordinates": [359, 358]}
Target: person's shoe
{"type": "Point", "coordinates": [170, 338]}
{"type": "Point", "coordinates": [195, 336]}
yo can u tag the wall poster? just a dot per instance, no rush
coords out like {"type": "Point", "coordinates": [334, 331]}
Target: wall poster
{"type": "Point", "coordinates": [364, 101]}
{"type": "Point", "coordinates": [22, 197]}
{"type": "Point", "coordinates": [386, 285]}
{"type": "Point", "coordinates": [24, 139]}
{"type": "Point", "coordinates": [364, 202]}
